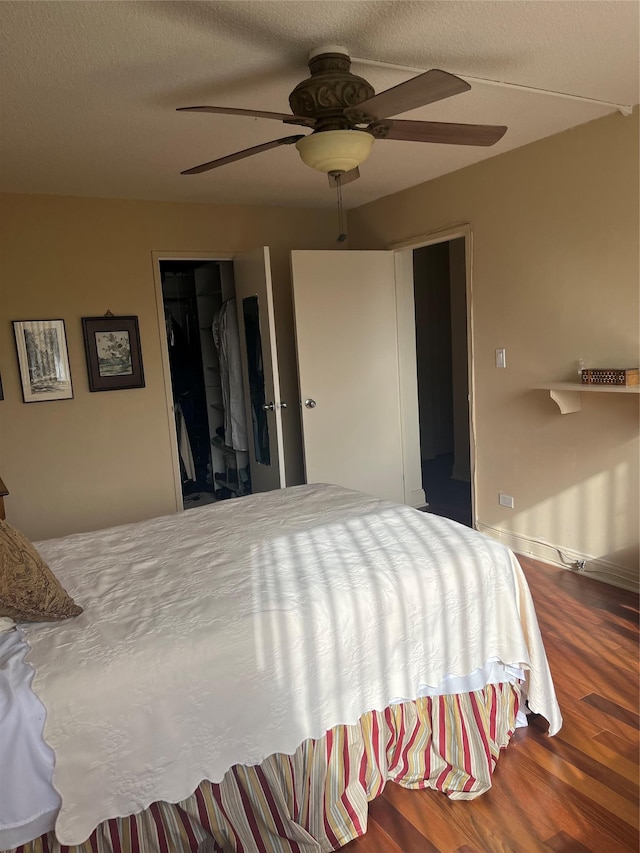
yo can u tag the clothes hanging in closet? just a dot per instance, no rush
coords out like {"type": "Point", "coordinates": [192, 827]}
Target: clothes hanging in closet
{"type": "Point", "coordinates": [227, 340]}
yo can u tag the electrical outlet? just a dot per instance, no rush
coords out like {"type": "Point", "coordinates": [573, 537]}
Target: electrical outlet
{"type": "Point", "coordinates": [501, 358]}
{"type": "Point", "coordinates": [505, 500]}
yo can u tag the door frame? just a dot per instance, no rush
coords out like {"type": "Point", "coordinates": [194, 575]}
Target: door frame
{"type": "Point", "coordinates": [164, 352]}
{"type": "Point", "coordinates": [253, 268]}
{"type": "Point", "coordinates": [407, 360]}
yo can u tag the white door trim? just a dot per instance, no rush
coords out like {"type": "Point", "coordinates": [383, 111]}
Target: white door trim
{"type": "Point", "coordinates": [407, 356]}
{"type": "Point", "coordinates": [164, 351]}
{"type": "Point", "coordinates": [408, 379]}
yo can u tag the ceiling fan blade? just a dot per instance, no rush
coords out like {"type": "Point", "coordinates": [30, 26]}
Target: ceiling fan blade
{"type": "Point", "coordinates": [345, 177]}
{"type": "Point", "coordinates": [437, 131]}
{"type": "Point", "coordinates": [287, 118]}
{"type": "Point", "coordinates": [427, 88]}
{"type": "Point", "coordinates": [240, 155]}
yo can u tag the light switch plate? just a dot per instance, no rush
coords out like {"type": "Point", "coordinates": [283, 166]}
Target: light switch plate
{"type": "Point", "coordinates": [501, 358]}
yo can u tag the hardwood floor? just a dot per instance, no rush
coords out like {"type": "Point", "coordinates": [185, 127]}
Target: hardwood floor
{"type": "Point", "coordinates": [576, 792]}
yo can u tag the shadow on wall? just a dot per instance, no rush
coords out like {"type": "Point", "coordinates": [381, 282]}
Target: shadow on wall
{"type": "Point", "coordinates": [607, 540]}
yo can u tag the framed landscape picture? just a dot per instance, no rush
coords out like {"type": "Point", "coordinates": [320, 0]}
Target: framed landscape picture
{"type": "Point", "coordinates": [43, 360]}
{"type": "Point", "coordinates": [114, 358]}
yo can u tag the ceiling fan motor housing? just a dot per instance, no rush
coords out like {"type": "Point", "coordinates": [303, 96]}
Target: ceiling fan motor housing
{"type": "Point", "coordinates": [330, 89]}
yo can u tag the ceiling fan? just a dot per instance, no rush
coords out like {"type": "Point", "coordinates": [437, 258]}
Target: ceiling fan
{"type": "Point", "coordinates": [345, 116]}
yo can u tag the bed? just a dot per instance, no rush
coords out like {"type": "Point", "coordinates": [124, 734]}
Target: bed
{"type": "Point", "coordinates": [249, 675]}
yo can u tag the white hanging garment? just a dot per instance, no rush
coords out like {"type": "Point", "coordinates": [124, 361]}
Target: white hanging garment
{"type": "Point", "coordinates": [184, 445]}
{"type": "Point", "coordinates": [227, 339]}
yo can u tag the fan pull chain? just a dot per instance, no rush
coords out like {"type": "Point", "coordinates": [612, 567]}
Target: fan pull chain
{"type": "Point", "coordinates": [342, 236]}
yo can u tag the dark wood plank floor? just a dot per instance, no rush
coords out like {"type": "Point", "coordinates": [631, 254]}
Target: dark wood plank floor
{"type": "Point", "coordinates": [576, 792]}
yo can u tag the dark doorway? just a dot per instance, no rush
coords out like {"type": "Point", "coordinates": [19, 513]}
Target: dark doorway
{"type": "Point", "coordinates": [191, 292]}
{"type": "Point", "coordinates": [443, 389]}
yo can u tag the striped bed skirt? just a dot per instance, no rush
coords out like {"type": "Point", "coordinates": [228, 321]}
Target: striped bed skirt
{"type": "Point", "coordinates": [317, 799]}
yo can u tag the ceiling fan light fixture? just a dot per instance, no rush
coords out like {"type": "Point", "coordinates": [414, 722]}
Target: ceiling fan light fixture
{"type": "Point", "coordinates": [335, 150]}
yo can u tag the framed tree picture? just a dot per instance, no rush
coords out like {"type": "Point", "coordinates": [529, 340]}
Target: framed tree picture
{"type": "Point", "coordinates": [114, 357]}
{"type": "Point", "coordinates": [43, 360]}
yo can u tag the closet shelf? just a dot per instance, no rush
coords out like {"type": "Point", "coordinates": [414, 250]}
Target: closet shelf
{"type": "Point", "coordinates": [567, 397]}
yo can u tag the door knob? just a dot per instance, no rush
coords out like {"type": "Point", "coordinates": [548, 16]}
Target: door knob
{"type": "Point", "coordinates": [310, 404]}
{"type": "Point", "coordinates": [283, 405]}
{"type": "Point", "coordinates": [268, 407]}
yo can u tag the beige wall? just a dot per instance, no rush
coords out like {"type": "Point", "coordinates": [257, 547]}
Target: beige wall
{"type": "Point", "coordinates": [105, 458]}
{"type": "Point", "coordinates": [555, 278]}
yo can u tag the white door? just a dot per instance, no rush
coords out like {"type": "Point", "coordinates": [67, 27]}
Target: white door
{"type": "Point", "coordinates": [346, 334]}
{"type": "Point", "coordinates": [254, 298]}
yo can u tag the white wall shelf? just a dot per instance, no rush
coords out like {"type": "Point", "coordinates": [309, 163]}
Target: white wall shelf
{"type": "Point", "coordinates": [567, 395]}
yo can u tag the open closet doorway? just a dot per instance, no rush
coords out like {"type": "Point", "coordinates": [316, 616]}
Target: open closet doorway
{"type": "Point", "coordinates": [440, 297]}
{"type": "Point", "coordinates": [203, 346]}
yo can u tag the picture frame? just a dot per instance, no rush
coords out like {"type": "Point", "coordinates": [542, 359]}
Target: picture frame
{"type": "Point", "coordinates": [114, 356]}
{"type": "Point", "coordinates": [43, 359]}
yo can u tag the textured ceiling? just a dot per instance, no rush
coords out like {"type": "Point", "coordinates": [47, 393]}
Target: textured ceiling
{"type": "Point", "coordinates": [89, 89]}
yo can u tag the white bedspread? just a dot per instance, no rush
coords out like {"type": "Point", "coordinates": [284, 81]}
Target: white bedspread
{"type": "Point", "coordinates": [224, 634]}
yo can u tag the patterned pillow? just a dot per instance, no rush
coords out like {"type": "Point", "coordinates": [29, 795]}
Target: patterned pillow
{"type": "Point", "coordinates": [29, 591]}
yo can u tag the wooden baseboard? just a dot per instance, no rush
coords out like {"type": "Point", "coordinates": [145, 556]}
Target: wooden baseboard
{"type": "Point", "coordinates": [557, 555]}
